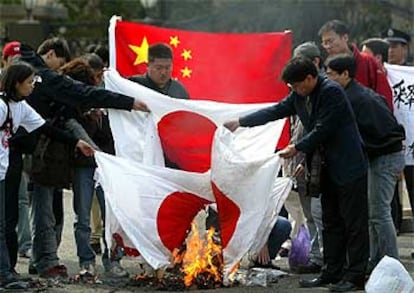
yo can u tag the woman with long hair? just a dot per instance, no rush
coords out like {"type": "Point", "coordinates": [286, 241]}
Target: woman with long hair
{"type": "Point", "coordinates": [17, 83]}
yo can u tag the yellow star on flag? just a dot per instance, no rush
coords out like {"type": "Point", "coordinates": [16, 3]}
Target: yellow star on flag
{"type": "Point", "coordinates": [186, 72]}
{"type": "Point", "coordinates": [186, 54]}
{"type": "Point", "coordinates": [141, 51]}
{"type": "Point", "coordinates": [174, 41]}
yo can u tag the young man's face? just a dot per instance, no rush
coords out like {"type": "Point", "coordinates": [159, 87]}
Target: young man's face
{"type": "Point", "coordinates": [52, 61]}
{"type": "Point", "coordinates": [397, 53]}
{"type": "Point", "coordinates": [333, 43]}
{"type": "Point", "coordinates": [160, 70]}
{"type": "Point", "coordinates": [335, 76]}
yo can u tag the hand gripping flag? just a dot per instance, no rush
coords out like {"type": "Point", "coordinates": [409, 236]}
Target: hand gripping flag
{"type": "Point", "coordinates": [152, 207]}
{"type": "Point", "coordinates": [185, 128]}
{"type": "Point", "coordinates": [131, 131]}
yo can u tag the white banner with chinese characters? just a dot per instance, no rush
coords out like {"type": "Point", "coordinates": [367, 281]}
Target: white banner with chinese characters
{"type": "Point", "coordinates": [401, 79]}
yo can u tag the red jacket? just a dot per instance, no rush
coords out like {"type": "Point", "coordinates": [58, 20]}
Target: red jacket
{"type": "Point", "coordinates": [369, 73]}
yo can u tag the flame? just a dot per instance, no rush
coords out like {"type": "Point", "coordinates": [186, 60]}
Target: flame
{"type": "Point", "coordinates": [202, 258]}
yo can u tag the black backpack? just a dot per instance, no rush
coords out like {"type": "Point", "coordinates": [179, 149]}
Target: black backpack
{"type": "Point", "coordinates": [8, 123]}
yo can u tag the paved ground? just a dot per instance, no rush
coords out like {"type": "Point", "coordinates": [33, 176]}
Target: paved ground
{"type": "Point", "coordinates": [67, 253]}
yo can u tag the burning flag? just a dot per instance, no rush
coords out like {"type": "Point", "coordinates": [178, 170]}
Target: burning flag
{"type": "Point", "coordinates": [190, 134]}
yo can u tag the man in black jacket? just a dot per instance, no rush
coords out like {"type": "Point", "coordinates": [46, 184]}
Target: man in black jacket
{"type": "Point", "coordinates": [54, 88]}
{"type": "Point", "coordinates": [382, 136]}
{"type": "Point", "coordinates": [329, 123]}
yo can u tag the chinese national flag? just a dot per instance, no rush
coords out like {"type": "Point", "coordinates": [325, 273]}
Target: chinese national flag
{"type": "Point", "coordinates": [225, 67]}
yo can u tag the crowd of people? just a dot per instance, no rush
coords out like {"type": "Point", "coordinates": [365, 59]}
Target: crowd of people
{"type": "Point", "coordinates": [346, 152]}
{"type": "Point", "coordinates": [342, 122]}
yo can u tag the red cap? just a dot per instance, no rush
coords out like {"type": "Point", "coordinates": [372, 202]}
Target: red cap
{"type": "Point", "coordinates": [11, 49]}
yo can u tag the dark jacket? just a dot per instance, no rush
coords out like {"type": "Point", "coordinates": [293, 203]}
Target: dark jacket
{"type": "Point", "coordinates": [331, 124]}
{"type": "Point", "coordinates": [379, 129]}
{"type": "Point", "coordinates": [100, 132]}
{"type": "Point", "coordinates": [173, 88]}
{"type": "Point", "coordinates": [60, 88]}
{"type": "Point", "coordinates": [53, 98]}
{"type": "Point", "coordinates": [55, 90]}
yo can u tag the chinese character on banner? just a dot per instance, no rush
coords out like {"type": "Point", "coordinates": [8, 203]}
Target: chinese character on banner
{"type": "Point", "coordinates": [401, 79]}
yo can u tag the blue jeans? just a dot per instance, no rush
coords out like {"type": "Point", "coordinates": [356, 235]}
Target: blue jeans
{"type": "Point", "coordinates": [279, 234]}
{"type": "Point", "coordinates": [4, 253]}
{"type": "Point", "coordinates": [383, 173]}
{"type": "Point", "coordinates": [83, 193]}
{"type": "Point", "coordinates": [46, 227]}
{"type": "Point", "coordinates": [23, 226]}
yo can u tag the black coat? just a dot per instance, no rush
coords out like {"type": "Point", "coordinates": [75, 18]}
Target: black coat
{"type": "Point", "coordinates": [379, 129]}
{"type": "Point", "coordinates": [331, 124]}
{"type": "Point", "coordinates": [55, 90]}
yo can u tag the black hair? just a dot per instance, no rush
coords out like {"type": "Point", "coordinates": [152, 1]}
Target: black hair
{"type": "Point", "coordinates": [18, 71]}
{"type": "Point", "coordinates": [335, 25]}
{"type": "Point", "coordinates": [94, 61]}
{"type": "Point", "coordinates": [342, 62]}
{"type": "Point", "coordinates": [159, 50]}
{"type": "Point", "coordinates": [100, 50]}
{"type": "Point", "coordinates": [59, 45]}
{"type": "Point", "coordinates": [297, 69]}
{"type": "Point", "coordinates": [377, 46]}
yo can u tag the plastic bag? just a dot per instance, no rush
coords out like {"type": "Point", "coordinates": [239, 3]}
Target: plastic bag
{"type": "Point", "coordinates": [389, 276]}
{"type": "Point", "coordinates": [300, 250]}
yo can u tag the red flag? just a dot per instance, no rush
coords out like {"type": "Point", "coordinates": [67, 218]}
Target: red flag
{"type": "Point", "coordinates": [225, 67]}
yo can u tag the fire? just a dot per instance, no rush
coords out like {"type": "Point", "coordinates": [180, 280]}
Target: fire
{"type": "Point", "coordinates": [202, 260]}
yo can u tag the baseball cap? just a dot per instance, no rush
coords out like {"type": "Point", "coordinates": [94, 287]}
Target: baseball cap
{"type": "Point", "coordinates": [11, 49]}
{"type": "Point", "coordinates": [308, 49]}
{"type": "Point", "coordinates": [394, 35]}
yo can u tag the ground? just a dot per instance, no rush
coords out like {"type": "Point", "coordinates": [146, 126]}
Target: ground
{"type": "Point", "coordinates": [67, 254]}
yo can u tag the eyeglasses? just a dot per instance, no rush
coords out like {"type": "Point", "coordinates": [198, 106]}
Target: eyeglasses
{"type": "Point", "coordinates": [329, 42]}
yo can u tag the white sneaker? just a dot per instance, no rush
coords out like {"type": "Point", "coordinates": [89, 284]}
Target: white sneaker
{"type": "Point", "coordinates": [88, 271]}
{"type": "Point", "coordinates": [117, 272]}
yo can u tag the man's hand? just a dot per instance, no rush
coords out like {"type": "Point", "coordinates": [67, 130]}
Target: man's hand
{"type": "Point", "coordinates": [232, 125]}
{"type": "Point", "coordinates": [85, 148]}
{"type": "Point", "coordinates": [264, 257]}
{"type": "Point", "coordinates": [140, 106]}
{"type": "Point", "coordinates": [288, 151]}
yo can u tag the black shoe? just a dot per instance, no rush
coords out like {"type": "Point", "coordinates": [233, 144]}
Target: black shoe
{"type": "Point", "coordinates": [32, 270]}
{"type": "Point", "coordinates": [316, 282]}
{"type": "Point", "coordinates": [343, 286]}
{"type": "Point", "coordinates": [7, 280]}
{"type": "Point", "coordinates": [310, 268]}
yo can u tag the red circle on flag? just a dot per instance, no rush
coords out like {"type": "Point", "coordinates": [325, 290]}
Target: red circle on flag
{"type": "Point", "coordinates": [175, 215]}
{"type": "Point", "coordinates": [229, 216]}
{"type": "Point", "coordinates": [186, 139]}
